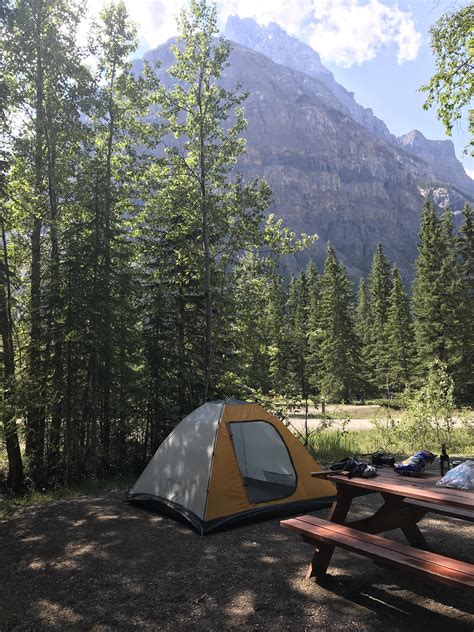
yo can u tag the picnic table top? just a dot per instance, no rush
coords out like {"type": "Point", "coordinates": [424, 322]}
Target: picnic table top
{"type": "Point", "coordinates": [420, 488]}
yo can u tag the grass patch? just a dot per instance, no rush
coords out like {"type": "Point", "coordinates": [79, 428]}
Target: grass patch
{"type": "Point", "coordinates": [89, 487]}
{"type": "Point", "coordinates": [333, 445]}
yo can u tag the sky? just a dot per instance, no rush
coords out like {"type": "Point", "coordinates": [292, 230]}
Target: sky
{"type": "Point", "coordinates": [378, 49]}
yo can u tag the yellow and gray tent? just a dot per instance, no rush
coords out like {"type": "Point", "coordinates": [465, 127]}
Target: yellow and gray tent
{"type": "Point", "coordinates": [229, 460]}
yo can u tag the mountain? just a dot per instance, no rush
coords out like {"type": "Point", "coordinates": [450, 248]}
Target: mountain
{"type": "Point", "coordinates": [441, 156]}
{"type": "Point", "coordinates": [289, 51]}
{"type": "Point", "coordinates": [329, 174]}
{"type": "Point", "coordinates": [284, 49]}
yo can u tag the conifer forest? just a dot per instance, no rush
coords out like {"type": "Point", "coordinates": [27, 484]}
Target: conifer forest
{"type": "Point", "coordinates": [141, 275]}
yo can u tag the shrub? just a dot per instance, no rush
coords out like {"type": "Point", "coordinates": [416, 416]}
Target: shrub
{"type": "Point", "coordinates": [395, 402]}
{"type": "Point", "coordinates": [429, 411]}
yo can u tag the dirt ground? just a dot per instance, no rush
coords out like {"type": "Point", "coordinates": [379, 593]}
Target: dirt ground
{"type": "Point", "coordinates": [95, 563]}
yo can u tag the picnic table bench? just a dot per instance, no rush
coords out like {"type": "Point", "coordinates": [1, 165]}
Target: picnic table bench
{"type": "Point", "coordinates": [406, 502]}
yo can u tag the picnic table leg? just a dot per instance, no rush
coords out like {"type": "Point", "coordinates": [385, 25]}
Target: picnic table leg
{"type": "Point", "coordinates": [323, 554]}
{"type": "Point", "coordinates": [394, 514]}
{"type": "Point", "coordinates": [408, 523]}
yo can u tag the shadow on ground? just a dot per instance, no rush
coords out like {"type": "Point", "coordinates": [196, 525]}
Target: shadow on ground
{"type": "Point", "coordinates": [97, 564]}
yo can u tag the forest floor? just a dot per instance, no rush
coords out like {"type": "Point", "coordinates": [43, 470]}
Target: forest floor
{"type": "Point", "coordinates": [96, 563]}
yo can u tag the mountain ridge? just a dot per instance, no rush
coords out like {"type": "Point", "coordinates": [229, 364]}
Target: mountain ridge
{"type": "Point", "coordinates": [274, 42]}
{"type": "Point", "coordinates": [329, 174]}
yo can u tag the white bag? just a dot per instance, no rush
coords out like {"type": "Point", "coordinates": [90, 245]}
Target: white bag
{"type": "Point", "coordinates": [460, 477]}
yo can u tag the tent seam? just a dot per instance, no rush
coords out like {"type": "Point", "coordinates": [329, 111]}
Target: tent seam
{"type": "Point", "coordinates": [212, 461]}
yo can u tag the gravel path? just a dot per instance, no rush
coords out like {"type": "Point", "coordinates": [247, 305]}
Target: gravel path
{"type": "Point", "coordinates": [359, 417]}
{"type": "Point", "coordinates": [94, 563]}
{"type": "Point", "coordinates": [313, 424]}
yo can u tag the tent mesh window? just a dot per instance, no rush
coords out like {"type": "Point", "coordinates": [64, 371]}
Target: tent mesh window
{"type": "Point", "coordinates": [264, 461]}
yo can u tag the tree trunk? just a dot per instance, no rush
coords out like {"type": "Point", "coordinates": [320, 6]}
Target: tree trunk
{"type": "Point", "coordinates": [35, 417]}
{"type": "Point", "coordinates": [15, 464]}
{"type": "Point", "coordinates": [206, 254]}
{"type": "Point", "coordinates": [207, 300]}
{"type": "Point", "coordinates": [107, 333]}
{"type": "Point", "coordinates": [90, 409]}
{"type": "Point", "coordinates": [69, 456]}
{"type": "Point", "coordinates": [181, 353]}
{"type": "Point", "coordinates": [54, 438]}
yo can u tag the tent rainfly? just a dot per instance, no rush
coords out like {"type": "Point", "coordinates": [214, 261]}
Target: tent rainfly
{"type": "Point", "coordinates": [230, 460]}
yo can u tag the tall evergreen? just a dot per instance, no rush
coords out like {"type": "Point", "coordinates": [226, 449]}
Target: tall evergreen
{"type": "Point", "coordinates": [437, 293]}
{"type": "Point", "coordinates": [379, 289]}
{"type": "Point", "coordinates": [362, 320]}
{"type": "Point", "coordinates": [255, 322]}
{"type": "Point", "coordinates": [115, 168]}
{"type": "Point", "coordinates": [125, 296]}
{"type": "Point", "coordinates": [220, 216]}
{"type": "Point", "coordinates": [46, 77]}
{"type": "Point", "coordinates": [277, 328]}
{"type": "Point", "coordinates": [340, 361]}
{"type": "Point", "coordinates": [8, 368]}
{"type": "Point", "coordinates": [399, 332]}
{"type": "Point", "coordinates": [313, 281]}
{"type": "Point", "coordinates": [362, 315]}
{"type": "Point", "coordinates": [297, 337]}
{"type": "Point", "coordinates": [465, 248]}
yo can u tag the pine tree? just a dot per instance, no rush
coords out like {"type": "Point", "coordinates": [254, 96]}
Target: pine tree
{"type": "Point", "coordinates": [8, 409]}
{"type": "Point", "coordinates": [313, 282]}
{"type": "Point", "coordinates": [120, 100]}
{"type": "Point", "coordinates": [297, 337]}
{"type": "Point", "coordinates": [125, 296]}
{"type": "Point", "coordinates": [363, 332]}
{"type": "Point", "coordinates": [12, 444]}
{"type": "Point", "coordinates": [379, 289]}
{"type": "Point", "coordinates": [340, 363]}
{"type": "Point", "coordinates": [277, 328]}
{"type": "Point", "coordinates": [436, 293]}
{"type": "Point", "coordinates": [465, 248]}
{"type": "Point", "coordinates": [221, 216]}
{"type": "Point", "coordinates": [46, 77]}
{"type": "Point", "coordinates": [399, 332]}
{"type": "Point", "coordinates": [362, 315]}
{"type": "Point", "coordinates": [252, 327]}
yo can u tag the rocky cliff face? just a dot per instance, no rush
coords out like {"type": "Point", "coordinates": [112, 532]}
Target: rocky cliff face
{"type": "Point", "coordinates": [441, 156]}
{"type": "Point", "coordinates": [284, 49]}
{"type": "Point", "coordinates": [289, 51]}
{"type": "Point", "coordinates": [329, 174]}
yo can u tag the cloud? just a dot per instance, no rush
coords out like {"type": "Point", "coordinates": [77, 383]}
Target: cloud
{"type": "Point", "coordinates": [290, 15]}
{"type": "Point", "coordinates": [155, 19]}
{"type": "Point", "coordinates": [470, 173]}
{"type": "Point", "coordinates": [346, 32]}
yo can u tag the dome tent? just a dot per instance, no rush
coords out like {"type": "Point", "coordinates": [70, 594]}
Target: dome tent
{"type": "Point", "coordinates": [229, 460]}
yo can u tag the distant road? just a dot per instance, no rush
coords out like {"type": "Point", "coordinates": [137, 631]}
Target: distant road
{"type": "Point", "coordinates": [359, 417]}
{"type": "Point", "coordinates": [313, 424]}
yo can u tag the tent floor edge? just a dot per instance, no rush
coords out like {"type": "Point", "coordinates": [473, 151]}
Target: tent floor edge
{"type": "Point", "coordinates": [273, 511]}
{"type": "Point", "coordinates": [181, 514]}
{"type": "Point", "coordinates": [168, 508]}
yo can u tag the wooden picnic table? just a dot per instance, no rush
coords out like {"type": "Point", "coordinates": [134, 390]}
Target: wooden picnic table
{"type": "Point", "coordinates": [406, 501]}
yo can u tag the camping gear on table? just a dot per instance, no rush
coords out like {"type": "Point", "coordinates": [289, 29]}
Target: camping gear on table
{"type": "Point", "coordinates": [415, 464]}
{"type": "Point", "coordinates": [381, 458]}
{"type": "Point", "coordinates": [460, 477]}
{"type": "Point", "coordinates": [229, 460]}
{"type": "Point", "coordinates": [353, 467]}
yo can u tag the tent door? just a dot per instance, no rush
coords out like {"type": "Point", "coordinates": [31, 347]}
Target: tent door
{"type": "Point", "coordinates": [264, 461]}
